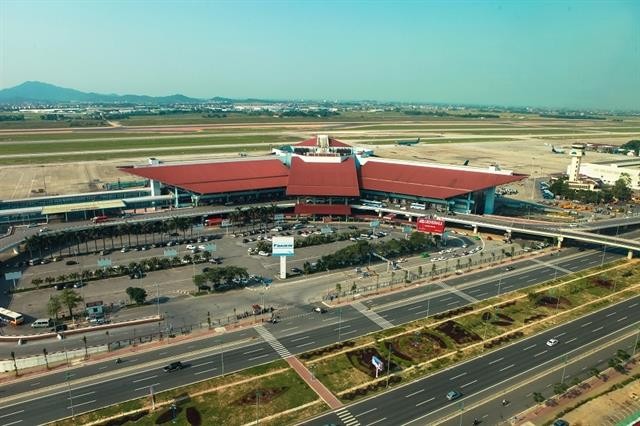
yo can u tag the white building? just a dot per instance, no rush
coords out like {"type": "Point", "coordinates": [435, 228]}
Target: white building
{"type": "Point", "coordinates": [609, 172]}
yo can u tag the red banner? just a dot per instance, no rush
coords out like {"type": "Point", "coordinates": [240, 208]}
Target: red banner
{"type": "Point", "coordinates": [433, 226]}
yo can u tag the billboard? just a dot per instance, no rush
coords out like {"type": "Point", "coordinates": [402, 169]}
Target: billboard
{"type": "Point", "coordinates": [434, 226]}
{"type": "Point", "coordinates": [282, 246]}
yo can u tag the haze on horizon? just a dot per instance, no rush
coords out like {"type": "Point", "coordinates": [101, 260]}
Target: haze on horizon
{"type": "Point", "coordinates": [557, 54]}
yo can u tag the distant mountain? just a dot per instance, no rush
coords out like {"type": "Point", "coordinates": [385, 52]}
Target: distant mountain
{"type": "Point", "coordinates": [38, 92]}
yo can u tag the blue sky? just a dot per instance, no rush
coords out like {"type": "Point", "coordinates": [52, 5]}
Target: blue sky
{"type": "Point", "coordinates": [566, 54]}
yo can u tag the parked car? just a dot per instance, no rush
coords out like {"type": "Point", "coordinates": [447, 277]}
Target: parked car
{"type": "Point", "coordinates": [59, 286]}
{"type": "Point", "coordinates": [78, 284]}
{"type": "Point", "coordinates": [71, 262]}
{"type": "Point", "coordinates": [509, 268]}
{"type": "Point", "coordinates": [177, 365]}
{"type": "Point", "coordinates": [320, 310]}
{"type": "Point", "coordinates": [191, 247]}
{"type": "Point", "coordinates": [264, 253]}
{"type": "Point", "coordinates": [297, 270]}
{"type": "Point", "coordinates": [204, 288]}
{"type": "Point", "coordinates": [561, 422]}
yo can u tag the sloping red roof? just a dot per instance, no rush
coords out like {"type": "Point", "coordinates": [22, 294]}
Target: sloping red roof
{"type": "Point", "coordinates": [334, 209]}
{"type": "Point", "coordinates": [325, 179]}
{"type": "Point", "coordinates": [218, 177]}
{"type": "Point", "coordinates": [428, 182]}
{"type": "Point", "coordinates": [333, 143]}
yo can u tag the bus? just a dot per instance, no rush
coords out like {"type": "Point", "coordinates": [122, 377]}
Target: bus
{"type": "Point", "coordinates": [418, 206]}
{"type": "Point", "coordinates": [10, 317]}
{"type": "Point", "coordinates": [99, 219]}
{"type": "Point", "coordinates": [371, 203]}
{"type": "Point", "coordinates": [213, 221]}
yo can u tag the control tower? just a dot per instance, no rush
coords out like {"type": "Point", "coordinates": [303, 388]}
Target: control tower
{"type": "Point", "coordinates": [577, 152]}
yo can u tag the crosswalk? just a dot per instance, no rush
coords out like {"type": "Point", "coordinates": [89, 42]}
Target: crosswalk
{"type": "Point", "coordinates": [372, 315]}
{"type": "Point", "coordinates": [347, 418]}
{"type": "Point", "coordinates": [271, 340]}
{"type": "Point", "coordinates": [457, 292]}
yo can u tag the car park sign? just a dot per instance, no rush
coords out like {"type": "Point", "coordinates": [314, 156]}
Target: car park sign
{"type": "Point", "coordinates": [434, 226]}
{"type": "Point", "coordinates": [282, 246]}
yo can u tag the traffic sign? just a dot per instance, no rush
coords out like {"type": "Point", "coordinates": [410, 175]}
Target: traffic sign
{"type": "Point", "coordinates": [210, 247]}
{"type": "Point", "coordinates": [170, 253]}
{"type": "Point", "coordinates": [407, 229]}
{"type": "Point", "coordinates": [12, 275]}
{"type": "Point", "coordinates": [104, 263]}
{"type": "Point", "coordinates": [374, 223]}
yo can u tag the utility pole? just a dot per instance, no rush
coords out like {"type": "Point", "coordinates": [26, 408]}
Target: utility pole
{"type": "Point", "coordinates": [388, 365]}
{"type": "Point", "coordinates": [636, 344]}
{"type": "Point", "coordinates": [564, 367]}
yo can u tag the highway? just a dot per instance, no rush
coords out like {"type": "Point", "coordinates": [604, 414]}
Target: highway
{"type": "Point", "coordinates": [99, 384]}
{"type": "Point", "coordinates": [424, 401]}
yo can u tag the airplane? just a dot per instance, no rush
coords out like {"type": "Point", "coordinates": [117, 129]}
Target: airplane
{"type": "Point", "coordinates": [408, 142]}
{"type": "Point", "coordinates": [557, 150]}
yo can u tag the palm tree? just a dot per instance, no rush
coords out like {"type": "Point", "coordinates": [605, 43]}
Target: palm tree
{"type": "Point", "coordinates": [135, 229]}
{"type": "Point", "coordinates": [123, 228]}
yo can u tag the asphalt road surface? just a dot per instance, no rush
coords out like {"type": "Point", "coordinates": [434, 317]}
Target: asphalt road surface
{"type": "Point", "coordinates": [104, 383]}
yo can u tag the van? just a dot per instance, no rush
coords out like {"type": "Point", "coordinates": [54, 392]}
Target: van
{"type": "Point", "coordinates": [41, 323]}
{"type": "Point", "coordinates": [35, 261]}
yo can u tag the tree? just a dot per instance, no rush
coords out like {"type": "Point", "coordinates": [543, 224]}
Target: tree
{"type": "Point", "coordinates": [559, 388]}
{"type": "Point", "coordinates": [354, 287]}
{"type": "Point", "coordinates": [621, 188]}
{"type": "Point", "coordinates": [575, 381]}
{"type": "Point", "coordinates": [338, 288]}
{"type": "Point", "coordinates": [622, 355]}
{"type": "Point", "coordinates": [53, 306]}
{"type": "Point", "coordinates": [137, 294]}
{"type": "Point", "coordinates": [36, 282]}
{"type": "Point", "coordinates": [70, 299]}
{"type": "Point", "coordinates": [199, 280]}
{"type": "Point", "coordinates": [594, 372]}
{"type": "Point", "coordinates": [538, 397]}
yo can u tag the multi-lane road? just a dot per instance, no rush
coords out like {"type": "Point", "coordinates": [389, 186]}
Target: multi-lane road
{"type": "Point", "coordinates": [45, 398]}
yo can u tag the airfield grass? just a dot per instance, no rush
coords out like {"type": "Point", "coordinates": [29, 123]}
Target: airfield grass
{"type": "Point", "coordinates": [72, 158]}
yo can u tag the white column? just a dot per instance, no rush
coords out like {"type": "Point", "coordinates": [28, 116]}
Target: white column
{"type": "Point", "coordinates": [283, 267]}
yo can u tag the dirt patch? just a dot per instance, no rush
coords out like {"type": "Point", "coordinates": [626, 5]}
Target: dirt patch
{"type": "Point", "coordinates": [453, 312]}
{"type": "Point", "coordinates": [361, 359]}
{"type": "Point", "coordinates": [551, 301]}
{"type": "Point", "coordinates": [602, 282]}
{"type": "Point", "coordinates": [329, 349]}
{"type": "Point", "coordinates": [458, 333]}
{"type": "Point", "coordinates": [395, 350]}
{"type": "Point", "coordinates": [418, 346]}
{"type": "Point", "coordinates": [193, 416]}
{"type": "Point", "coordinates": [501, 323]}
{"type": "Point", "coordinates": [504, 339]}
{"type": "Point", "coordinates": [504, 317]}
{"type": "Point", "coordinates": [266, 395]}
{"type": "Point", "coordinates": [534, 318]}
{"type": "Point", "coordinates": [125, 419]}
{"type": "Point", "coordinates": [168, 415]}
{"type": "Point", "coordinates": [360, 392]}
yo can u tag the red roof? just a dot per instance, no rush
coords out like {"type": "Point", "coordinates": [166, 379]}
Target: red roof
{"type": "Point", "coordinates": [219, 176]}
{"type": "Point", "coordinates": [325, 179]}
{"type": "Point", "coordinates": [428, 182]}
{"type": "Point", "coordinates": [324, 209]}
{"type": "Point", "coordinates": [333, 143]}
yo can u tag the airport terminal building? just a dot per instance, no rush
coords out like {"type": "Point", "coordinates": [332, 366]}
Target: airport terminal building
{"type": "Point", "coordinates": [324, 176]}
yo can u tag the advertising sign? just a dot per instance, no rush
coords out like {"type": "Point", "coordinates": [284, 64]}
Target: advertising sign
{"type": "Point", "coordinates": [170, 253]}
{"type": "Point", "coordinates": [210, 247]}
{"type": "Point", "coordinates": [104, 263]}
{"type": "Point", "coordinates": [225, 222]}
{"type": "Point", "coordinates": [407, 229]}
{"type": "Point", "coordinates": [278, 217]}
{"type": "Point", "coordinates": [12, 275]}
{"type": "Point", "coordinates": [434, 226]}
{"type": "Point", "coordinates": [374, 223]}
{"type": "Point", "coordinates": [282, 246]}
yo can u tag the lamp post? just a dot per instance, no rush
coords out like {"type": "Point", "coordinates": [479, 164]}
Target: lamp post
{"type": "Point", "coordinates": [388, 365]}
{"type": "Point", "coordinates": [67, 376]}
{"type": "Point", "coordinates": [339, 322]}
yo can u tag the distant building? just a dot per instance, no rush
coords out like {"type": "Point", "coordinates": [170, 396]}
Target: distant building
{"type": "Point", "coordinates": [609, 172]}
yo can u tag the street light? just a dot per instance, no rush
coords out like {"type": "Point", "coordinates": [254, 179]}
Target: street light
{"type": "Point", "coordinates": [67, 376]}
{"type": "Point", "coordinates": [339, 322]}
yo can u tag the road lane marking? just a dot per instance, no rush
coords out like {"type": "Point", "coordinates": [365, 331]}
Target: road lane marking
{"type": "Point", "coordinates": [571, 340]}
{"type": "Point", "coordinates": [99, 368]}
{"type": "Point", "coordinates": [482, 294]}
{"type": "Point", "coordinates": [133, 360]}
{"type": "Point", "coordinates": [529, 347]}
{"type": "Point", "coordinates": [258, 357]}
{"type": "Point", "coordinates": [204, 363]}
{"type": "Point", "coordinates": [84, 394]}
{"type": "Point", "coordinates": [305, 344]}
{"type": "Point", "coordinates": [414, 393]}
{"type": "Point", "coordinates": [300, 338]}
{"type": "Point", "coordinates": [146, 387]}
{"type": "Point", "coordinates": [458, 376]}
{"type": "Point", "coordinates": [444, 299]}
{"type": "Point", "coordinates": [349, 332]}
{"type": "Point", "coordinates": [422, 312]}
{"type": "Point", "coordinates": [633, 306]}
{"type": "Point", "coordinates": [425, 401]}
{"type": "Point", "coordinates": [415, 307]}
{"type": "Point", "coordinates": [37, 383]}
{"type": "Point", "coordinates": [561, 334]}
{"type": "Point", "coordinates": [610, 314]}
{"type": "Point", "coordinates": [205, 371]}
{"type": "Point", "coordinates": [162, 353]}
{"type": "Point", "coordinates": [146, 378]}
{"type": "Point", "coordinates": [82, 403]}
{"type": "Point", "coordinates": [452, 303]}
{"type": "Point", "coordinates": [586, 324]}
{"type": "Point", "coordinates": [341, 327]}
{"type": "Point", "coordinates": [288, 329]}
{"type": "Point", "coordinates": [13, 423]}
{"type": "Point", "coordinates": [507, 367]}
{"type": "Point", "coordinates": [496, 360]}
{"type": "Point", "coordinates": [365, 412]}
{"type": "Point", "coordinates": [540, 353]}
{"type": "Point", "coordinates": [597, 329]}
{"type": "Point", "coordinates": [11, 414]}
{"type": "Point", "coordinates": [622, 319]}
{"type": "Point", "coordinates": [253, 351]}
{"type": "Point", "coordinates": [377, 421]}
{"type": "Point", "coordinates": [467, 384]}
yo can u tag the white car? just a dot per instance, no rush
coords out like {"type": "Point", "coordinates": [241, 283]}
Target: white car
{"type": "Point", "coordinates": [264, 253]}
{"type": "Point", "coordinates": [191, 247]}
{"type": "Point", "coordinates": [552, 342]}
{"type": "Point", "coordinates": [202, 247]}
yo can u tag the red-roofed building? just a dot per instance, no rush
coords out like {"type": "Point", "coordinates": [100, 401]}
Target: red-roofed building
{"type": "Point", "coordinates": [310, 177]}
{"type": "Point", "coordinates": [326, 171]}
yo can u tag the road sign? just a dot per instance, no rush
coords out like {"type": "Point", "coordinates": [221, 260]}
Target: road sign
{"type": "Point", "coordinates": [279, 217]}
{"type": "Point", "coordinates": [282, 246]}
{"type": "Point", "coordinates": [326, 230]}
{"type": "Point", "coordinates": [210, 247]}
{"type": "Point", "coordinates": [374, 223]}
{"type": "Point", "coordinates": [225, 223]}
{"type": "Point", "coordinates": [104, 263]}
{"type": "Point", "coordinates": [12, 275]}
{"type": "Point", "coordinates": [170, 253]}
{"type": "Point", "coordinates": [407, 229]}
{"type": "Point", "coordinates": [377, 364]}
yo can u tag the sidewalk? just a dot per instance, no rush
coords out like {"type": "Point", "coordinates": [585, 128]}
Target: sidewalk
{"type": "Point", "coordinates": [590, 388]}
{"type": "Point", "coordinates": [314, 383]}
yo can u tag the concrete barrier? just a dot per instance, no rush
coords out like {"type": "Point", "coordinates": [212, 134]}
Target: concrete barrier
{"type": "Point", "coordinates": [55, 358]}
